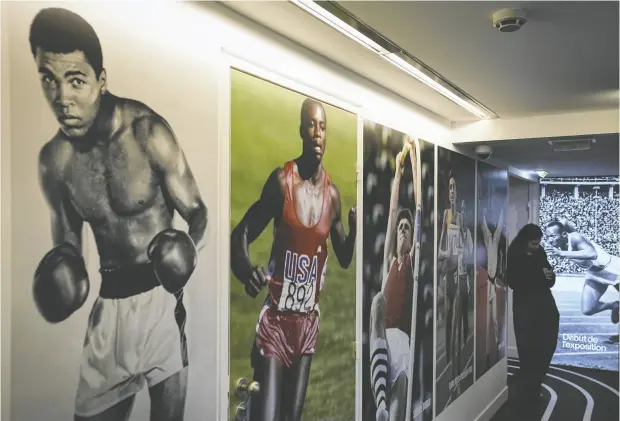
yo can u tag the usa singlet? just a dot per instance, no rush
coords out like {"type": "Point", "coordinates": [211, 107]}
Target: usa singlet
{"type": "Point", "coordinates": [398, 294]}
{"type": "Point", "coordinates": [453, 235]}
{"type": "Point", "coordinates": [299, 253]}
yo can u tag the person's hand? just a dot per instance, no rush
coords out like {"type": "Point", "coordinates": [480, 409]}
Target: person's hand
{"type": "Point", "coordinates": [411, 148]}
{"type": "Point", "coordinates": [174, 257]}
{"type": "Point", "coordinates": [353, 221]}
{"type": "Point", "coordinates": [256, 281]}
{"type": "Point", "coordinates": [399, 164]}
{"type": "Point", "coordinates": [61, 283]}
{"type": "Point", "coordinates": [553, 251]}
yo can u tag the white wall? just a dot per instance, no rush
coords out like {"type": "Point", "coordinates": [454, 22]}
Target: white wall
{"type": "Point", "coordinates": [178, 68]}
{"type": "Point", "coordinates": [5, 226]}
{"type": "Point", "coordinates": [521, 206]}
{"type": "Point", "coordinates": [534, 203]}
{"type": "Point", "coordinates": [555, 125]}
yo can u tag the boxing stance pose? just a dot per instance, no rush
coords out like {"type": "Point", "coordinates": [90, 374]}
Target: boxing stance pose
{"type": "Point", "coordinates": [491, 242]}
{"type": "Point", "coordinates": [306, 209]}
{"type": "Point", "coordinates": [391, 308]}
{"type": "Point", "coordinates": [116, 165]}
{"type": "Point", "coordinates": [449, 252]}
{"type": "Point", "coordinates": [602, 269]}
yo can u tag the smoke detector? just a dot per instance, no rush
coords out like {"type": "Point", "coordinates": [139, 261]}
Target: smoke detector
{"type": "Point", "coordinates": [509, 20]}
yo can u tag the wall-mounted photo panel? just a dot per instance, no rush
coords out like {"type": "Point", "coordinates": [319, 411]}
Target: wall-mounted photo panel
{"type": "Point", "coordinates": [398, 214]}
{"type": "Point", "coordinates": [579, 218]}
{"type": "Point", "coordinates": [112, 249]}
{"type": "Point", "coordinates": [455, 276]}
{"type": "Point", "coordinates": [491, 252]}
{"type": "Point", "coordinates": [293, 234]}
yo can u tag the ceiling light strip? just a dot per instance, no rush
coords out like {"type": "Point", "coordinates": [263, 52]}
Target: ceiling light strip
{"type": "Point", "coordinates": [410, 68]}
{"type": "Point", "coordinates": [341, 20]}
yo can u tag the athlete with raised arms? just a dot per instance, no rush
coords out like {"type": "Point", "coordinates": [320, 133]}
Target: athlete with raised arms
{"type": "Point", "coordinates": [391, 309]}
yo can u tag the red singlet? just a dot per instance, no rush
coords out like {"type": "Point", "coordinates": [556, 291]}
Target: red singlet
{"type": "Point", "coordinates": [288, 324]}
{"type": "Point", "coordinates": [398, 294]}
{"type": "Point", "coordinates": [299, 254]}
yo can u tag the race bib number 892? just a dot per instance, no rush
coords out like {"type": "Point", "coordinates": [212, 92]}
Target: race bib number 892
{"type": "Point", "coordinates": [299, 286]}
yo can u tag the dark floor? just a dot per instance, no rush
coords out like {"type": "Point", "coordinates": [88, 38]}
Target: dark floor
{"type": "Point", "coordinates": [570, 394]}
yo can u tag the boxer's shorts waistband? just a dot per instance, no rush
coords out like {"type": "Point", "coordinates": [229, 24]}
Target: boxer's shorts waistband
{"type": "Point", "coordinates": [127, 281]}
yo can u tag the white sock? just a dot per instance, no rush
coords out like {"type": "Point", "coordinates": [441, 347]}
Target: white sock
{"type": "Point", "coordinates": [379, 371]}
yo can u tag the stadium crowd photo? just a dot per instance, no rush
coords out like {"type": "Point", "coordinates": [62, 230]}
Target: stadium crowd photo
{"type": "Point", "coordinates": [580, 219]}
{"type": "Point", "coordinates": [593, 212]}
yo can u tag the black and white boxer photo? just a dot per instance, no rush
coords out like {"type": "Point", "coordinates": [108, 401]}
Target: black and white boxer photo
{"type": "Point", "coordinates": [114, 164]}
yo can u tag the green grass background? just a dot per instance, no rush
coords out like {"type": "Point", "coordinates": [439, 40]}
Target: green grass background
{"type": "Point", "coordinates": [264, 135]}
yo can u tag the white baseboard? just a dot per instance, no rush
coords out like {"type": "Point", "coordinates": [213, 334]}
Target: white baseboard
{"type": "Point", "coordinates": [512, 352]}
{"type": "Point", "coordinates": [492, 408]}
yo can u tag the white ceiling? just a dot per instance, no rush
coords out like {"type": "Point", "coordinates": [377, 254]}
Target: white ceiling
{"type": "Point", "coordinates": [564, 59]}
{"type": "Point", "coordinates": [537, 154]}
{"type": "Point", "coordinates": [302, 28]}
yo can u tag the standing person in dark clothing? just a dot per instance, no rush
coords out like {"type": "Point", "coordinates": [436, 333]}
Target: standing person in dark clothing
{"type": "Point", "coordinates": [535, 314]}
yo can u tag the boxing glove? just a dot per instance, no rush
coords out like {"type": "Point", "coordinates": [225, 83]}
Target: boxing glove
{"type": "Point", "coordinates": [173, 255]}
{"type": "Point", "coordinates": [61, 283]}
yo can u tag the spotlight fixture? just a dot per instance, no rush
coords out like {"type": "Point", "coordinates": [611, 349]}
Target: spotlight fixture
{"type": "Point", "coordinates": [341, 20]}
{"type": "Point", "coordinates": [542, 173]}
